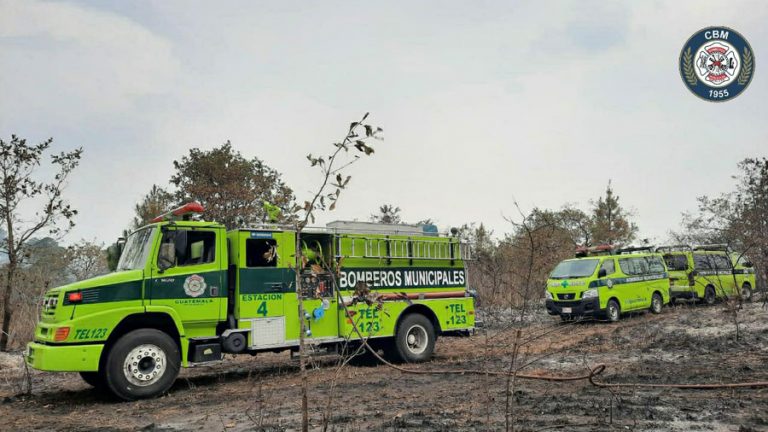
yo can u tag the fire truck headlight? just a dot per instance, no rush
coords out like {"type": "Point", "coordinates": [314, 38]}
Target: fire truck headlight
{"type": "Point", "coordinates": [590, 293]}
{"type": "Point", "coordinates": [548, 295]}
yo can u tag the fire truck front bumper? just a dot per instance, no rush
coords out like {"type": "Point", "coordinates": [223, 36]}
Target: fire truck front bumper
{"type": "Point", "coordinates": [63, 358]}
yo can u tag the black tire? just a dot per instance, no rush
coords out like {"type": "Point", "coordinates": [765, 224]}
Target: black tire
{"type": "Point", "coordinates": [613, 311]}
{"type": "Point", "coordinates": [746, 292]}
{"type": "Point", "coordinates": [657, 303]}
{"type": "Point", "coordinates": [709, 295]}
{"type": "Point", "coordinates": [94, 379]}
{"type": "Point", "coordinates": [414, 340]}
{"type": "Point", "coordinates": [155, 368]}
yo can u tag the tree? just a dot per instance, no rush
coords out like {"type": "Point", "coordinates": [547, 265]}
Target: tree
{"type": "Point", "coordinates": [232, 188]}
{"type": "Point", "coordinates": [154, 203]}
{"type": "Point", "coordinates": [610, 223]}
{"type": "Point", "coordinates": [388, 214]}
{"type": "Point", "coordinates": [86, 260]}
{"type": "Point", "coordinates": [18, 163]}
{"type": "Point", "coordinates": [331, 168]}
{"type": "Point", "coordinates": [738, 218]}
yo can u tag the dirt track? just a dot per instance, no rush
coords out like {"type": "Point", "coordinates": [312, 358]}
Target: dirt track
{"type": "Point", "coordinates": [682, 345]}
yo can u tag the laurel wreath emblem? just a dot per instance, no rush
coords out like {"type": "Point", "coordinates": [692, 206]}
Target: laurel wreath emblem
{"type": "Point", "coordinates": [688, 72]}
{"type": "Point", "coordinates": [746, 68]}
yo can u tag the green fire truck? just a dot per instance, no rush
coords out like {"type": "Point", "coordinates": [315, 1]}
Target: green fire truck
{"type": "Point", "coordinates": [186, 291]}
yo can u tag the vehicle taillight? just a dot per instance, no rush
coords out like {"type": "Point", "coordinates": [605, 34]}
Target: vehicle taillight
{"type": "Point", "coordinates": [62, 333]}
{"type": "Point", "coordinates": [75, 297]}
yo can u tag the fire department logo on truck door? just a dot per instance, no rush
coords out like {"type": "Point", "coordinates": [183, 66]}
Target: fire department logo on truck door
{"type": "Point", "coordinates": [194, 286]}
{"type": "Point", "coordinates": [717, 64]}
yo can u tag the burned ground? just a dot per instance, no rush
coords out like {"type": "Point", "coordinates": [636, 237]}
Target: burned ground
{"type": "Point", "coordinates": [682, 345]}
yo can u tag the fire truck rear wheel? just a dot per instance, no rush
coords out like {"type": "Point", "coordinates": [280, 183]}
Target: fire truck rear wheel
{"type": "Point", "coordinates": [142, 364]}
{"type": "Point", "coordinates": [415, 339]}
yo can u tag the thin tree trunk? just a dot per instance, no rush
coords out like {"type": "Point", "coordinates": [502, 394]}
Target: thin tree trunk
{"type": "Point", "coordinates": [6, 309]}
{"type": "Point", "coordinates": [302, 331]}
{"type": "Point", "coordinates": [10, 273]}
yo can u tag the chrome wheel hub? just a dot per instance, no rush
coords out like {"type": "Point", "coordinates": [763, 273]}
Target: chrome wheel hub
{"type": "Point", "coordinates": [144, 365]}
{"type": "Point", "coordinates": [416, 339]}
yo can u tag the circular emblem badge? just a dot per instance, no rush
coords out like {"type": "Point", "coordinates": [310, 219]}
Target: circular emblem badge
{"type": "Point", "coordinates": [194, 286]}
{"type": "Point", "coordinates": [717, 64]}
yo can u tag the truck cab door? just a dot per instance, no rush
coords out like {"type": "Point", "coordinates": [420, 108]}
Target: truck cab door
{"type": "Point", "coordinates": [189, 275]}
{"type": "Point", "coordinates": [264, 278]}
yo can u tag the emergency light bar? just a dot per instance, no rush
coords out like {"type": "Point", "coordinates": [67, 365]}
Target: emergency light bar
{"type": "Point", "coordinates": [181, 212]}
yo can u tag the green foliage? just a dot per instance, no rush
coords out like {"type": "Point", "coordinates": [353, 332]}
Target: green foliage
{"type": "Point", "coordinates": [610, 222]}
{"type": "Point", "coordinates": [19, 186]}
{"type": "Point", "coordinates": [388, 214]}
{"type": "Point", "coordinates": [157, 201]}
{"type": "Point", "coordinates": [737, 218]}
{"type": "Point", "coordinates": [230, 187]}
{"type": "Point", "coordinates": [332, 166]}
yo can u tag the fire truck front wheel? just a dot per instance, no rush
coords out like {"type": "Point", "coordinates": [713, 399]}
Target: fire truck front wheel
{"type": "Point", "coordinates": [142, 364]}
{"type": "Point", "coordinates": [94, 379]}
{"type": "Point", "coordinates": [415, 339]}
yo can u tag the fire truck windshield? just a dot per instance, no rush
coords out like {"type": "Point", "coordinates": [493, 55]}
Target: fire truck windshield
{"type": "Point", "coordinates": [136, 250]}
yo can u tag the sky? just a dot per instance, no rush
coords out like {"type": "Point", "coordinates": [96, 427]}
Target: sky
{"type": "Point", "coordinates": [483, 103]}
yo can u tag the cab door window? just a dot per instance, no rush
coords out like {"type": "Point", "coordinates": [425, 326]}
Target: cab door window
{"type": "Point", "coordinates": [609, 267]}
{"type": "Point", "coordinates": [179, 248]}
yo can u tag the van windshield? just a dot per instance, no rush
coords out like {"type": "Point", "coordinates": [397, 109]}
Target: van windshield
{"type": "Point", "coordinates": [136, 250]}
{"type": "Point", "coordinates": [574, 269]}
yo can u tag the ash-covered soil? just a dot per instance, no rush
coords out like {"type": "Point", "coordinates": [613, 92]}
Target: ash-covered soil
{"type": "Point", "coordinates": [682, 345]}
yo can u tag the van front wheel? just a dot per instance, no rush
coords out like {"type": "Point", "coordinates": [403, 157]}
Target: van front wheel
{"type": "Point", "coordinates": [746, 293]}
{"type": "Point", "coordinates": [613, 311]}
{"type": "Point", "coordinates": [709, 295]}
{"type": "Point", "coordinates": [656, 303]}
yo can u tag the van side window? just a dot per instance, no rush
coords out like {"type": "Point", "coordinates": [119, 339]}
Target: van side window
{"type": "Point", "coordinates": [261, 253]}
{"type": "Point", "coordinates": [676, 262]}
{"type": "Point", "coordinates": [608, 266]}
{"type": "Point", "coordinates": [702, 262]}
{"type": "Point", "coordinates": [655, 264]}
{"type": "Point", "coordinates": [633, 266]}
{"type": "Point", "coordinates": [721, 262]}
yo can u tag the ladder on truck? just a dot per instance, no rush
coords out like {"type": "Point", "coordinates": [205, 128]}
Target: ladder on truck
{"type": "Point", "coordinates": [400, 248]}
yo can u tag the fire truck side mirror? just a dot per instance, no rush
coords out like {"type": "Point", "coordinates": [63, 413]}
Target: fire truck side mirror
{"type": "Point", "coordinates": [114, 251]}
{"type": "Point", "coordinates": [602, 273]}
